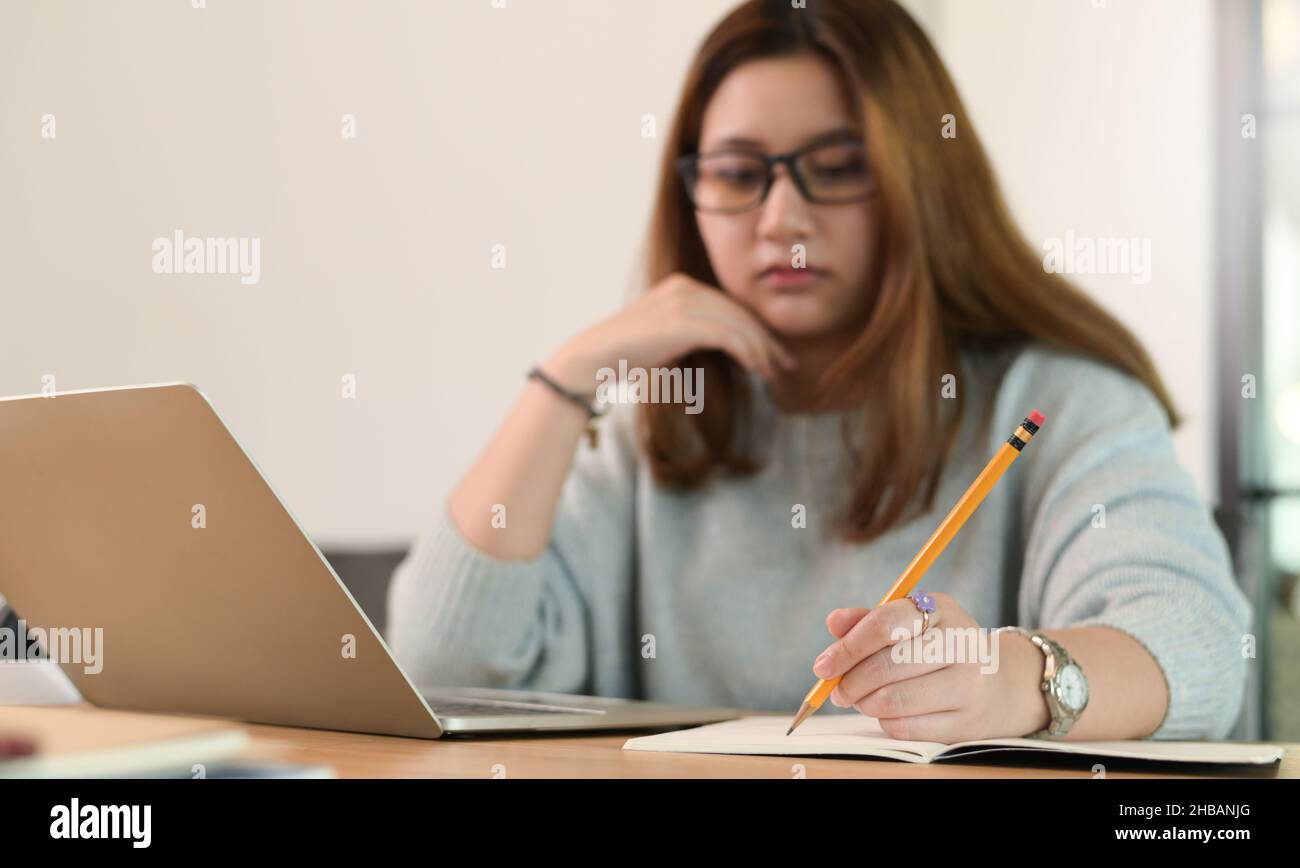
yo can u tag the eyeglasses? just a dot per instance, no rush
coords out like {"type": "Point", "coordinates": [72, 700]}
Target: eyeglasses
{"type": "Point", "coordinates": [730, 181]}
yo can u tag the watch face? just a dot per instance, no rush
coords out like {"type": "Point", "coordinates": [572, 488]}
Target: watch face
{"type": "Point", "coordinates": [1072, 687]}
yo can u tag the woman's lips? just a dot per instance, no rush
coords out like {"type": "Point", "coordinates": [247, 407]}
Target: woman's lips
{"type": "Point", "coordinates": [792, 277]}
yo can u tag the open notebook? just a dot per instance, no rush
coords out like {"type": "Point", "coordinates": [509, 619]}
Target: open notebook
{"type": "Point", "coordinates": [859, 735]}
{"type": "Point", "coordinates": [82, 742]}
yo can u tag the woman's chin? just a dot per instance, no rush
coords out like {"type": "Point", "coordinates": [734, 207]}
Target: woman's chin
{"type": "Point", "coordinates": [800, 324]}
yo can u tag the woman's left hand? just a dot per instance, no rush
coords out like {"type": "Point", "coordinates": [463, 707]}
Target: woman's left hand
{"type": "Point", "coordinates": [941, 701]}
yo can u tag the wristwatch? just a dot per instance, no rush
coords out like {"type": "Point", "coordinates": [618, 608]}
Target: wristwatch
{"type": "Point", "coordinates": [1064, 685]}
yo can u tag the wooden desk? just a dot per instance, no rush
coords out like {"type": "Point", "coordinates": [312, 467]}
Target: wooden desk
{"type": "Point", "coordinates": [353, 755]}
{"type": "Point", "coordinates": [601, 756]}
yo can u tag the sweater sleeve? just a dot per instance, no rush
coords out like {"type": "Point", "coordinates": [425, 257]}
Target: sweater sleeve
{"type": "Point", "coordinates": [460, 617]}
{"type": "Point", "coordinates": [1119, 537]}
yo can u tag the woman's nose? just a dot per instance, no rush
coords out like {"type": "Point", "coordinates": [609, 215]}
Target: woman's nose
{"type": "Point", "coordinates": [785, 211]}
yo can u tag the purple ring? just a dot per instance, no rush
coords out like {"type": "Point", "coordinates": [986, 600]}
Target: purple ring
{"type": "Point", "coordinates": [923, 601]}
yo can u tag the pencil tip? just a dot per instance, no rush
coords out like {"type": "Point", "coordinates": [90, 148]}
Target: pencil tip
{"type": "Point", "coordinates": [804, 710]}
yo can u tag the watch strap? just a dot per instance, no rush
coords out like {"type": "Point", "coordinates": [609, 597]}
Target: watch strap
{"type": "Point", "coordinates": [1055, 658]}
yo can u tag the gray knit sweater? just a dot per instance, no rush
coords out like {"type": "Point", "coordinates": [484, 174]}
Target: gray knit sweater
{"type": "Point", "coordinates": [714, 597]}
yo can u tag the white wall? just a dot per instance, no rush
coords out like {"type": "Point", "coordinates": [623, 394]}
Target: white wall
{"type": "Point", "coordinates": [479, 126]}
{"type": "Point", "coordinates": [476, 126]}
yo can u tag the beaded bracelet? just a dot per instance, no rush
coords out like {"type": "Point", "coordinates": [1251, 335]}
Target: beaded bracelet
{"type": "Point", "coordinates": [593, 410]}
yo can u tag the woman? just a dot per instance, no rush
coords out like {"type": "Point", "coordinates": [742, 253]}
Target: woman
{"type": "Point", "coordinates": [869, 326]}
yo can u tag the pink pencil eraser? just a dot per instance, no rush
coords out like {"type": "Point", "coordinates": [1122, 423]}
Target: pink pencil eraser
{"type": "Point", "coordinates": [1037, 418]}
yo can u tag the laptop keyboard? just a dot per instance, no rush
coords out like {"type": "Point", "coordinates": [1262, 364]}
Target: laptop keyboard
{"type": "Point", "coordinates": [453, 707]}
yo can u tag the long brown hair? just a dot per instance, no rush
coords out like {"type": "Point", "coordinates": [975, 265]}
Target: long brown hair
{"type": "Point", "coordinates": [950, 269]}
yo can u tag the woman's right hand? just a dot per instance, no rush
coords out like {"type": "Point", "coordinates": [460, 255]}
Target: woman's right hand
{"type": "Point", "coordinates": [677, 316]}
{"type": "Point", "coordinates": [525, 465]}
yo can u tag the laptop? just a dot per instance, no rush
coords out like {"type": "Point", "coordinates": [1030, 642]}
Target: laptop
{"type": "Point", "coordinates": [142, 542]}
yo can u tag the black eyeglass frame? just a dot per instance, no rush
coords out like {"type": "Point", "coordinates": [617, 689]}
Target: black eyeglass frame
{"type": "Point", "coordinates": [687, 164]}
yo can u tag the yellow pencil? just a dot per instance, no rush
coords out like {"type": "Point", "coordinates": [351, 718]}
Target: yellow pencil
{"type": "Point", "coordinates": [937, 542]}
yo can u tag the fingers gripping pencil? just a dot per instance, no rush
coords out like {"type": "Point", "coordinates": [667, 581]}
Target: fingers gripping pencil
{"type": "Point", "coordinates": [937, 542]}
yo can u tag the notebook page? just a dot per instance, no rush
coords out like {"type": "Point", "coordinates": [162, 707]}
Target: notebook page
{"type": "Point", "coordinates": [858, 735]}
{"type": "Point", "coordinates": [850, 734]}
